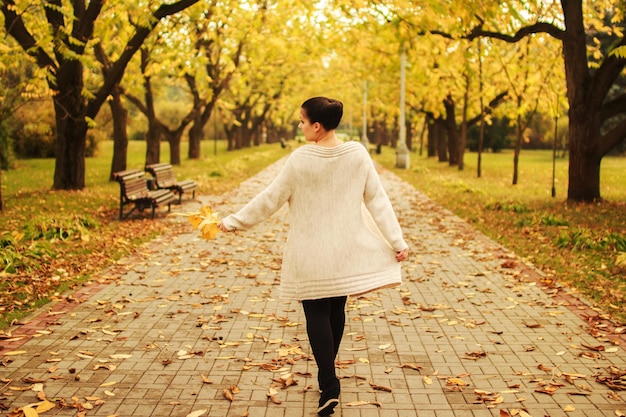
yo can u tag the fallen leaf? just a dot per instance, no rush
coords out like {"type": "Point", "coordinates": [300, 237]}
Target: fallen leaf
{"type": "Point", "coordinates": [456, 381]}
{"type": "Point", "coordinates": [197, 413]}
{"type": "Point", "coordinates": [411, 366]}
{"type": "Point", "coordinates": [121, 356]}
{"type": "Point", "coordinates": [363, 402]}
{"type": "Point", "coordinates": [15, 352]}
{"type": "Point", "coordinates": [29, 412]}
{"type": "Point", "coordinates": [228, 395]}
{"type": "Point", "coordinates": [379, 387]}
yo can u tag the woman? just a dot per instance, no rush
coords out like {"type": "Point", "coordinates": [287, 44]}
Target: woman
{"type": "Point", "coordinates": [331, 252]}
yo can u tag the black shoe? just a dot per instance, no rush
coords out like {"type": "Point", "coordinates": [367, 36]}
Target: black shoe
{"type": "Point", "coordinates": [327, 407]}
{"type": "Point", "coordinates": [328, 401]}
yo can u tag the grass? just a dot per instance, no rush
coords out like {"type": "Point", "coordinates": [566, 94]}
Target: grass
{"type": "Point", "coordinates": [582, 246]}
{"type": "Point", "coordinates": [53, 241]}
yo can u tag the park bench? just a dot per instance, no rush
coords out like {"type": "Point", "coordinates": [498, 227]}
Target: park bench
{"type": "Point", "coordinates": [164, 178]}
{"type": "Point", "coordinates": [134, 190]}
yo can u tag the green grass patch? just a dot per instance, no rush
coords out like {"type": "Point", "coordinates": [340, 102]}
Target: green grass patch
{"type": "Point", "coordinates": [579, 245]}
{"type": "Point", "coordinates": [53, 241]}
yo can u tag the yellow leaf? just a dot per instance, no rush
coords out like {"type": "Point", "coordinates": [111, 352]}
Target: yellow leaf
{"type": "Point", "coordinates": [15, 352]}
{"type": "Point", "coordinates": [456, 381]}
{"type": "Point", "coordinates": [44, 406]}
{"type": "Point", "coordinates": [228, 395]}
{"type": "Point", "coordinates": [30, 412]}
{"type": "Point", "coordinates": [569, 408]}
{"type": "Point", "coordinates": [108, 384]}
{"type": "Point", "coordinates": [196, 413]}
{"type": "Point", "coordinates": [121, 356]}
{"type": "Point", "coordinates": [205, 221]}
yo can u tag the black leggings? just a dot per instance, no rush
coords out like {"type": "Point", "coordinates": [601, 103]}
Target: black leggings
{"type": "Point", "coordinates": [325, 321]}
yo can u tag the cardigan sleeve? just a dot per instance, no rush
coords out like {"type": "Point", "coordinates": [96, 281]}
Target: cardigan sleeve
{"type": "Point", "coordinates": [266, 203]}
{"type": "Point", "coordinates": [379, 206]}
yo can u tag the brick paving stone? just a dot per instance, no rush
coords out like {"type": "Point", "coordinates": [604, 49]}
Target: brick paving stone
{"type": "Point", "coordinates": [197, 318]}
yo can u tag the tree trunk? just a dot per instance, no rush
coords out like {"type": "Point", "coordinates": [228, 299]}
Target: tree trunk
{"type": "Point", "coordinates": [440, 139]}
{"type": "Point", "coordinates": [174, 142]}
{"type": "Point", "coordinates": [429, 124]}
{"type": "Point", "coordinates": [153, 144]}
{"type": "Point", "coordinates": [452, 131]}
{"type": "Point", "coordinates": [585, 95]}
{"type": "Point", "coordinates": [69, 171]}
{"type": "Point", "coordinates": [120, 135]}
{"type": "Point", "coordinates": [518, 145]}
{"type": "Point", "coordinates": [463, 141]}
{"type": "Point", "coordinates": [584, 166]}
{"type": "Point", "coordinates": [153, 135]}
{"type": "Point", "coordinates": [196, 135]}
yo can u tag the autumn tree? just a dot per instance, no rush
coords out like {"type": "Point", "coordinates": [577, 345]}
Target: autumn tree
{"type": "Point", "coordinates": [592, 68]}
{"type": "Point", "coordinates": [59, 37]}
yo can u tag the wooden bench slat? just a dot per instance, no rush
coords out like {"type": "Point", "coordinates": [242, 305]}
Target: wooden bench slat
{"type": "Point", "coordinates": [165, 178]}
{"type": "Point", "coordinates": [134, 190]}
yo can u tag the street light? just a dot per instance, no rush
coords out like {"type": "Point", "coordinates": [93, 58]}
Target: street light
{"type": "Point", "coordinates": [402, 151]}
{"type": "Point", "coordinates": [364, 141]}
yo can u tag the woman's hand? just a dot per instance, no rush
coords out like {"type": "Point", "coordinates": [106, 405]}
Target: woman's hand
{"type": "Point", "coordinates": [223, 228]}
{"type": "Point", "coordinates": [402, 255]}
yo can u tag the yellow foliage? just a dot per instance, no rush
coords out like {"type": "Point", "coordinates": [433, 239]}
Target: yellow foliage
{"type": "Point", "coordinates": [204, 220]}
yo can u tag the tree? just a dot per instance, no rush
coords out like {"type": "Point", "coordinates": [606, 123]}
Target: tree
{"type": "Point", "coordinates": [62, 45]}
{"type": "Point", "coordinates": [590, 72]}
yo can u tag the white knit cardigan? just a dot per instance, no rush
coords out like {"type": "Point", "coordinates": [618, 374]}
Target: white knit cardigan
{"type": "Point", "coordinates": [332, 249]}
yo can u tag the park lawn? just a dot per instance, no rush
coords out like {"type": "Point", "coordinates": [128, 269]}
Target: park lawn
{"type": "Point", "coordinates": [581, 246]}
{"type": "Point", "coordinates": [53, 241]}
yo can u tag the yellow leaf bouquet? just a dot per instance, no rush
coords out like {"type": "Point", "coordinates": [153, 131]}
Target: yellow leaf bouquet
{"type": "Point", "coordinates": [204, 220]}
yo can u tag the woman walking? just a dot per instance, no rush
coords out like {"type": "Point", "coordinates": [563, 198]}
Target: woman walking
{"type": "Point", "coordinates": [331, 252]}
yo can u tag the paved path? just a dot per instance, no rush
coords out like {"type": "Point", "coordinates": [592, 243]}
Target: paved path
{"type": "Point", "coordinates": [184, 324]}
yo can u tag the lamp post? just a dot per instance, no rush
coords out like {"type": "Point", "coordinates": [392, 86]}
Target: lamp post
{"type": "Point", "coordinates": [402, 151]}
{"type": "Point", "coordinates": [364, 141]}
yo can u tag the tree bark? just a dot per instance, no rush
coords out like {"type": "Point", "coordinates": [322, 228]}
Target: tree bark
{"type": "Point", "coordinates": [429, 124]}
{"type": "Point", "coordinates": [463, 141]}
{"type": "Point", "coordinates": [153, 135]}
{"type": "Point", "coordinates": [440, 139]}
{"type": "Point", "coordinates": [452, 131]}
{"type": "Point", "coordinates": [584, 123]}
{"type": "Point", "coordinates": [120, 134]}
{"type": "Point", "coordinates": [69, 170]}
{"type": "Point", "coordinates": [119, 115]}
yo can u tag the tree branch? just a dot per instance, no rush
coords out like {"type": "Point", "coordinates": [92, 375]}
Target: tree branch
{"type": "Point", "coordinates": [604, 78]}
{"type": "Point", "coordinates": [14, 26]}
{"type": "Point", "coordinates": [612, 138]}
{"type": "Point", "coordinates": [613, 108]}
{"type": "Point", "coordinates": [84, 30]}
{"type": "Point", "coordinates": [478, 32]}
{"type": "Point", "coordinates": [497, 100]}
{"type": "Point", "coordinates": [133, 45]}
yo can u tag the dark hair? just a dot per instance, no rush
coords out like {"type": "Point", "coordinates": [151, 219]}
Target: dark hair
{"type": "Point", "coordinates": [324, 110]}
